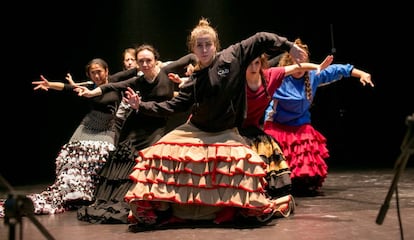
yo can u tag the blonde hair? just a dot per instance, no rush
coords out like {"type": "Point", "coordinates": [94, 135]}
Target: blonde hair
{"type": "Point", "coordinates": [129, 50]}
{"type": "Point", "coordinates": [286, 60]}
{"type": "Point", "coordinates": [203, 27]}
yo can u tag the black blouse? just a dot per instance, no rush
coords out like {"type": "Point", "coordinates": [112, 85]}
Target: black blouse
{"type": "Point", "coordinates": [217, 93]}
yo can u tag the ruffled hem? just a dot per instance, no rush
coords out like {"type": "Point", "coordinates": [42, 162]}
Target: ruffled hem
{"type": "Point", "coordinates": [304, 149]}
{"type": "Point", "coordinates": [153, 214]}
{"type": "Point", "coordinates": [2, 210]}
{"type": "Point", "coordinates": [76, 177]}
{"type": "Point", "coordinates": [213, 180]}
{"type": "Point", "coordinates": [278, 171]}
{"type": "Point", "coordinates": [109, 206]}
{"type": "Point", "coordinates": [198, 170]}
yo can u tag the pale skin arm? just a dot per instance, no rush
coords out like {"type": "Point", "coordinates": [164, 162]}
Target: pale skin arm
{"type": "Point", "coordinates": [288, 69]}
{"type": "Point", "coordinates": [364, 77]}
{"type": "Point", "coordinates": [181, 80]}
{"type": "Point", "coordinates": [70, 79]}
{"type": "Point", "coordinates": [45, 85]}
{"type": "Point", "coordinates": [305, 66]}
{"type": "Point", "coordinates": [177, 79]}
{"type": "Point", "coordinates": [85, 92]}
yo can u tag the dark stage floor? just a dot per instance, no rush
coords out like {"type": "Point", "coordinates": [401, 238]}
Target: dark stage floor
{"type": "Point", "coordinates": [347, 210]}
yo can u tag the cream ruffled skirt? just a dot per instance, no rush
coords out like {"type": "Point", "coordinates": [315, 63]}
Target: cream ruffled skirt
{"type": "Point", "coordinates": [197, 174]}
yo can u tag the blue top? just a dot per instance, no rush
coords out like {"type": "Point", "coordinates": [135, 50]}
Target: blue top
{"type": "Point", "coordinates": [289, 105]}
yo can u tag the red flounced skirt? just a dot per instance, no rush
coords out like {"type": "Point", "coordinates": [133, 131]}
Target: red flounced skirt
{"type": "Point", "coordinates": [305, 151]}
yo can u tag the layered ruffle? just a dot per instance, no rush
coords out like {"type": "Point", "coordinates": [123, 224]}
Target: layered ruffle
{"type": "Point", "coordinates": [191, 167]}
{"type": "Point", "coordinates": [114, 182]}
{"type": "Point", "coordinates": [278, 171]}
{"type": "Point", "coordinates": [304, 149]}
{"type": "Point", "coordinates": [76, 177]}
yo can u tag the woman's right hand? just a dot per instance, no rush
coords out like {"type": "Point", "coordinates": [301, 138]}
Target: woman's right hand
{"type": "Point", "coordinates": [132, 98]}
{"type": "Point", "coordinates": [43, 84]}
{"type": "Point", "coordinates": [86, 92]}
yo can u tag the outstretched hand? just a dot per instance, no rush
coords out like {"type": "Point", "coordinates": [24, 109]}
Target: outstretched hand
{"type": "Point", "coordinates": [70, 79]}
{"type": "Point", "coordinates": [82, 91]}
{"type": "Point", "coordinates": [43, 84]}
{"type": "Point", "coordinates": [366, 79]}
{"type": "Point", "coordinates": [177, 79]}
{"type": "Point", "coordinates": [132, 98]}
{"type": "Point", "coordinates": [325, 63]}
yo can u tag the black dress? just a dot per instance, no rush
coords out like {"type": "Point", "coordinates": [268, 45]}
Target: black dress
{"type": "Point", "coordinates": [138, 131]}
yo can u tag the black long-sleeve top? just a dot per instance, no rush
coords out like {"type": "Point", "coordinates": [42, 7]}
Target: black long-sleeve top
{"type": "Point", "coordinates": [217, 93]}
{"type": "Point", "coordinates": [108, 102]}
{"type": "Point", "coordinates": [141, 129]}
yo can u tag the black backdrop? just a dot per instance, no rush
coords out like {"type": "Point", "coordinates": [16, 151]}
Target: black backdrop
{"type": "Point", "coordinates": [364, 126]}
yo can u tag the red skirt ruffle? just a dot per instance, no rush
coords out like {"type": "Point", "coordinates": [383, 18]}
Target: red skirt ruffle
{"type": "Point", "coordinates": [304, 149]}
